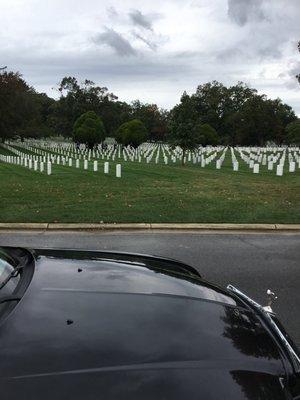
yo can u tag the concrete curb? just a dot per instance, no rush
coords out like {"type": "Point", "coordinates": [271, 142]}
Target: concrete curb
{"type": "Point", "coordinates": [149, 226]}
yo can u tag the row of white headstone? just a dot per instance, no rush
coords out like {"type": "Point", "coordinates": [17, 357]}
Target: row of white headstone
{"type": "Point", "coordinates": [252, 156]}
{"type": "Point", "coordinates": [28, 163]}
{"type": "Point", "coordinates": [38, 164]}
{"type": "Point", "coordinates": [145, 152]}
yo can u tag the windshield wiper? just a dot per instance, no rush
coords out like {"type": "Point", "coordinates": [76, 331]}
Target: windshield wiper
{"type": "Point", "coordinates": [6, 299]}
{"type": "Point", "coordinates": [267, 317]}
{"type": "Point", "coordinates": [13, 274]}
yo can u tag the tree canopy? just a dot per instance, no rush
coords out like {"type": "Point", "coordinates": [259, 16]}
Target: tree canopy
{"type": "Point", "coordinates": [293, 133]}
{"type": "Point", "coordinates": [208, 135]}
{"type": "Point", "coordinates": [215, 113]}
{"type": "Point", "coordinates": [22, 109]}
{"type": "Point", "coordinates": [89, 129]}
{"type": "Point", "coordinates": [185, 126]}
{"type": "Point", "coordinates": [132, 133]}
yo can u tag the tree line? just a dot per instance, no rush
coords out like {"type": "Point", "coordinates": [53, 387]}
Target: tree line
{"type": "Point", "coordinates": [214, 114]}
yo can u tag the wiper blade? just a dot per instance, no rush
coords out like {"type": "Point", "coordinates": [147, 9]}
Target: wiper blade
{"type": "Point", "coordinates": [6, 299]}
{"type": "Point", "coordinates": [267, 316]}
{"type": "Point", "coordinates": [13, 274]}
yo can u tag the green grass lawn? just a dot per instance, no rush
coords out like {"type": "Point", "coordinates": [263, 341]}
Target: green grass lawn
{"type": "Point", "coordinates": [149, 193]}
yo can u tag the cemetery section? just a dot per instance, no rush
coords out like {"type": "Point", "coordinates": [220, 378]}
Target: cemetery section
{"type": "Point", "coordinates": [47, 181]}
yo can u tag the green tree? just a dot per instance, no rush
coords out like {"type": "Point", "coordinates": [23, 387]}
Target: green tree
{"type": "Point", "coordinates": [293, 133]}
{"type": "Point", "coordinates": [16, 104]}
{"type": "Point", "coordinates": [89, 129]}
{"type": "Point", "coordinates": [76, 99]}
{"type": "Point", "coordinates": [216, 104]}
{"type": "Point", "coordinates": [209, 136]}
{"type": "Point", "coordinates": [154, 118]}
{"type": "Point", "coordinates": [132, 133]}
{"type": "Point", "coordinates": [261, 120]}
{"type": "Point", "coordinates": [38, 124]}
{"type": "Point", "coordinates": [185, 126]}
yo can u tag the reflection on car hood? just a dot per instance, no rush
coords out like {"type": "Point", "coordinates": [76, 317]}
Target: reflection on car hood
{"type": "Point", "coordinates": [105, 326]}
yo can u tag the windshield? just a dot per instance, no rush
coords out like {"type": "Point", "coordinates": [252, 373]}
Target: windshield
{"type": "Point", "coordinates": [7, 266]}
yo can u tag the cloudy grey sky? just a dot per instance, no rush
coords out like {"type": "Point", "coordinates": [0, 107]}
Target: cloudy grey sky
{"type": "Point", "coordinates": [154, 50]}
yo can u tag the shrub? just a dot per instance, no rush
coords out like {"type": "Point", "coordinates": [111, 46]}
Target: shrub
{"type": "Point", "coordinates": [89, 129]}
{"type": "Point", "coordinates": [132, 133]}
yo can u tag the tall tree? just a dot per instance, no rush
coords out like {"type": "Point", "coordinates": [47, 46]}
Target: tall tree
{"type": "Point", "coordinates": [216, 104]}
{"type": "Point", "coordinates": [185, 125]}
{"type": "Point", "coordinates": [76, 99]}
{"type": "Point", "coordinates": [16, 104]}
{"type": "Point", "coordinates": [261, 120]}
{"type": "Point", "coordinates": [154, 118]}
{"type": "Point", "coordinates": [293, 133]}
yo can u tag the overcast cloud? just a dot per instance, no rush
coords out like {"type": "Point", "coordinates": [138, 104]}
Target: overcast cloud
{"type": "Point", "coordinates": [155, 50]}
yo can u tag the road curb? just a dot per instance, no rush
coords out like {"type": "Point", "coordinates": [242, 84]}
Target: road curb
{"type": "Point", "coordinates": [149, 226]}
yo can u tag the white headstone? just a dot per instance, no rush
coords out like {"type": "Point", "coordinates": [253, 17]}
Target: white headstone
{"type": "Point", "coordinates": [106, 167]}
{"type": "Point", "coordinates": [270, 165]}
{"type": "Point", "coordinates": [236, 166]}
{"type": "Point", "coordinates": [218, 164]}
{"type": "Point", "coordinates": [77, 163]}
{"type": "Point", "coordinates": [292, 166]}
{"type": "Point", "coordinates": [70, 162]}
{"type": "Point", "coordinates": [118, 170]}
{"type": "Point", "coordinates": [85, 164]}
{"type": "Point", "coordinates": [256, 168]}
{"type": "Point", "coordinates": [279, 170]}
{"type": "Point", "coordinates": [35, 165]}
{"type": "Point", "coordinates": [42, 166]}
{"type": "Point", "coordinates": [49, 169]}
{"type": "Point", "coordinates": [95, 166]}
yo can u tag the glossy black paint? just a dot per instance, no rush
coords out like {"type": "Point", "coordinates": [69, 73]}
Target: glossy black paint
{"type": "Point", "coordinates": [95, 325]}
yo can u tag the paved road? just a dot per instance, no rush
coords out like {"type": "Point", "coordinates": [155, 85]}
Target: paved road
{"type": "Point", "coordinates": [252, 262]}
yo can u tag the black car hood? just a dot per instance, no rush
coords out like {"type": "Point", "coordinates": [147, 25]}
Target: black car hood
{"type": "Point", "coordinates": [94, 328]}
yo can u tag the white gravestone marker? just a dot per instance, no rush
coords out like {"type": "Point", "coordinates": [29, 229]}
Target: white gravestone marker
{"type": "Point", "coordinates": [292, 166]}
{"type": "Point", "coordinates": [236, 166]}
{"type": "Point", "coordinates": [106, 167]}
{"type": "Point", "coordinates": [118, 170]}
{"type": "Point", "coordinates": [279, 170]}
{"type": "Point", "coordinates": [49, 170]}
{"type": "Point", "coordinates": [256, 168]}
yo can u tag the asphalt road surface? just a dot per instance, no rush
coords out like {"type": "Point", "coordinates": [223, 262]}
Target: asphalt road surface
{"type": "Point", "coordinates": [252, 262]}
